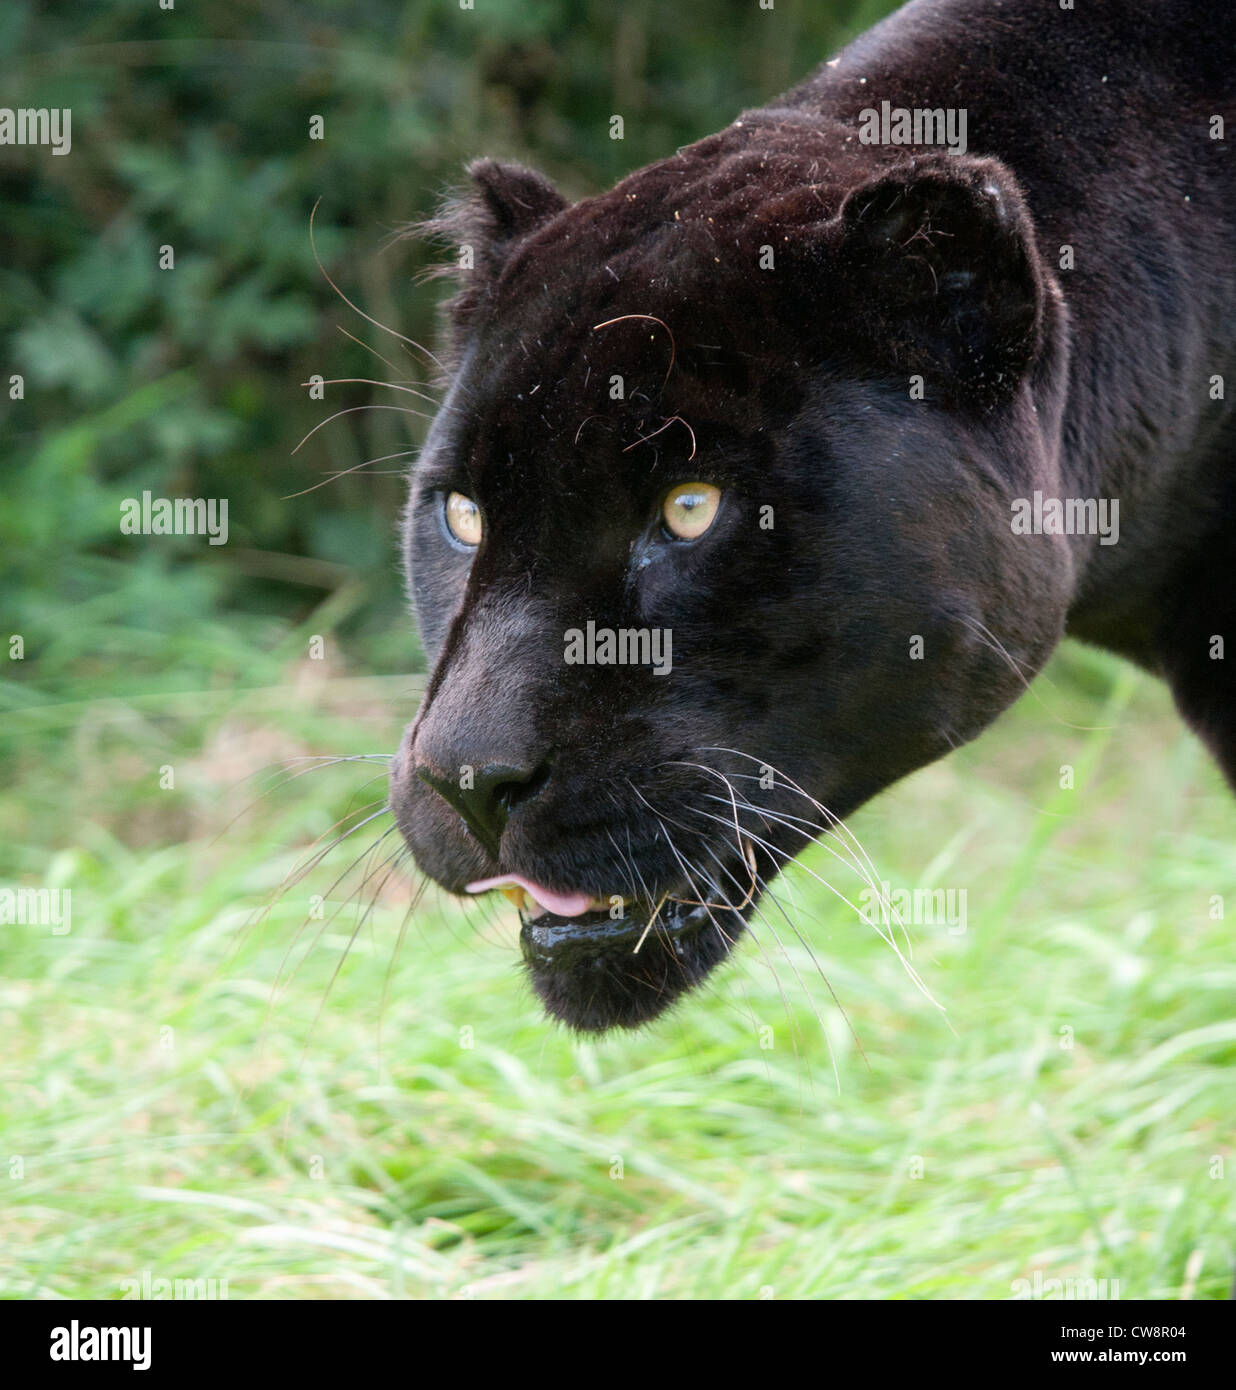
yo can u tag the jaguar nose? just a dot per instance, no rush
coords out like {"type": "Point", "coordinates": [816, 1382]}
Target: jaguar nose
{"type": "Point", "coordinates": [485, 796]}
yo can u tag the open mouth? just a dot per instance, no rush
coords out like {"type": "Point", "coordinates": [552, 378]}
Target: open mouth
{"type": "Point", "coordinates": [533, 897]}
{"type": "Point", "coordinates": [557, 926]}
{"type": "Point", "coordinates": [614, 962]}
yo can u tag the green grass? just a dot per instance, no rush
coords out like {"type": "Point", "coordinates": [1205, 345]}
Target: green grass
{"type": "Point", "coordinates": [200, 1100]}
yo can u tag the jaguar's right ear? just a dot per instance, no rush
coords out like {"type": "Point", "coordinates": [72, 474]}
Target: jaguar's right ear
{"type": "Point", "coordinates": [511, 202]}
{"type": "Point", "coordinates": [505, 204]}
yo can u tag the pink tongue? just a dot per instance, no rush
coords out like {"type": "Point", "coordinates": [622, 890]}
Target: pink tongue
{"type": "Point", "coordinates": [560, 904]}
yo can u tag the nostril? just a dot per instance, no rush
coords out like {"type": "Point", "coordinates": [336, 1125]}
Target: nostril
{"type": "Point", "coordinates": [514, 790]}
{"type": "Point", "coordinates": [485, 796]}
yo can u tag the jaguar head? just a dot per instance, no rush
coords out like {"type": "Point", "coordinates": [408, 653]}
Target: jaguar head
{"type": "Point", "coordinates": [709, 541]}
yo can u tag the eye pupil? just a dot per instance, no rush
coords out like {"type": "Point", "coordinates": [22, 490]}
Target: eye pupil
{"type": "Point", "coordinates": [463, 519]}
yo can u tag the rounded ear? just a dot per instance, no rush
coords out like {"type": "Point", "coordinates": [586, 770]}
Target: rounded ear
{"type": "Point", "coordinates": [481, 227]}
{"type": "Point", "coordinates": [515, 200]}
{"type": "Point", "coordinates": [505, 204]}
{"type": "Point", "coordinates": [942, 273]}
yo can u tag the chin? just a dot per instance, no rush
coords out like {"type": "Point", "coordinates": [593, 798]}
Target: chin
{"type": "Point", "coordinates": [594, 972]}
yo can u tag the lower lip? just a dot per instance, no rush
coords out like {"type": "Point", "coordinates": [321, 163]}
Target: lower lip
{"type": "Point", "coordinates": [558, 944]}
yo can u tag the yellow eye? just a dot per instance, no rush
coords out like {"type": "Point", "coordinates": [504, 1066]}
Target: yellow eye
{"type": "Point", "coordinates": [463, 519]}
{"type": "Point", "coordinates": [689, 509]}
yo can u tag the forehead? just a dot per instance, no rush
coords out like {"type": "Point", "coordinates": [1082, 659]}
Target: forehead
{"type": "Point", "coordinates": [625, 296]}
{"type": "Point", "coordinates": [646, 392]}
{"type": "Point", "coordinates": [558, 358]}
{"type": "Point", "coordinates": [616, 336]}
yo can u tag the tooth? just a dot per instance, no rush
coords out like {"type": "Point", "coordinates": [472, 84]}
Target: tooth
{"type": "Point", "coordinates": [515, 894]}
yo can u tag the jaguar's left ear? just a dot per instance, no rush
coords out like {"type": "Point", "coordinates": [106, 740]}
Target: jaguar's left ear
{"type": "Point", "coordinates": [941, 276]}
